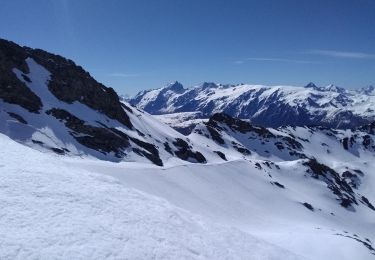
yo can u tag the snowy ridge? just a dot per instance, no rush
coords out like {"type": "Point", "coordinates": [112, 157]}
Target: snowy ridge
{"type": "Point", "coordinates": [272, 106]}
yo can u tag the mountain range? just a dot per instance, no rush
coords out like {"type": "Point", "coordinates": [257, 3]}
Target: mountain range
{"type": "Point", "coordinates": [262, 172]}
{"type": "Point", "coordinates": [269, 106]}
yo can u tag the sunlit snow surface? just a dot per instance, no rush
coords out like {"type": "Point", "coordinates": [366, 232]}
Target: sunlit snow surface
{"type": "Point", "coordinates": [66, 208]}
{"type": "Point", "coordinates": [54, 209]}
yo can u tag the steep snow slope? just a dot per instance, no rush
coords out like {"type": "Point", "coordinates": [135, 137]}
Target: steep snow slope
{"type": "Point", "coordinates": [52, 209]}
{"type": "Point", "coordinates": [265, 105]}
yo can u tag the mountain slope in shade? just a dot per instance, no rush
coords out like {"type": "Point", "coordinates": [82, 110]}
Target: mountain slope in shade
{"type": "Point", "coordinates": [274, 106]}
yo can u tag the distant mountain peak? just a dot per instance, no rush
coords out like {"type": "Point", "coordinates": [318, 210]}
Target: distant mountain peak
{"type": "Point", "coordinates": [175, 86]}
{"type": "Point", "coordinates": [208, 85]}
{"type": "Point", "coordinates": [334, 88]}
{"type": "Point", "coordinates": [311, 85]}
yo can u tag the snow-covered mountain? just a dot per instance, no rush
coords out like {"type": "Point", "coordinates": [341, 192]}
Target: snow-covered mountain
{"type": "Point", "coordinates": [49, 103]}
{"type": "Point", "coordinates": [274, 106]}
{"type": "Point", "coordinates": [86, 175]}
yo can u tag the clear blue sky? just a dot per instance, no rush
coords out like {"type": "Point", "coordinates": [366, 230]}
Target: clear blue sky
{"type": "Point", "coordinates": [134, 45]}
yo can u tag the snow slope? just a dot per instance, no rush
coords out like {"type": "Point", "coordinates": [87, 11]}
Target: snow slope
{"type": "Point", "coordinates": [54, 210]}
{"type": "Point", "coordinates": [183, 122]}
{"type": "Point", "coordinates": [58, 207]}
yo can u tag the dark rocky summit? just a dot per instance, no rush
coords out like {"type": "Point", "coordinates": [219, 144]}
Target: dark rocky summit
{"type": "Point", "coordinates": [12, 90]}
{"type": "Point", "coordinates": [69, 82]}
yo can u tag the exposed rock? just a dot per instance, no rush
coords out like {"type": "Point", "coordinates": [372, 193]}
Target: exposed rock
{"type": "Point", "coordinates": [334, 182]}
{"type": "Point", "coordinates": [215, 135]}
{"type": "Point", "coordinates": [98, 138]}
{"type": "Point", "coordinates": [18, 117]}
{"type": "Point", "coordinates": [278, 184]}
{"type": "Point", "coordinates": [185, 153]}
{"type": "Point", "coordinates": [168, 148]}
{"type": "Point", "coordinates": [308, 206]}
{"type": "Point", "coordinates": [238, 125]}
{"type": "Point", "coordinates": [367, 203]}
{"type": "Point", "coordinates": [12, 90]}
{"type": "Point", "coordinates": [68, 82]}
{"type": "Point", "coordinates": [152, 153]}
{"type": "Point", "coordinates": [222, 155]}
{"type": "Point", "coordinates": [352, 179]}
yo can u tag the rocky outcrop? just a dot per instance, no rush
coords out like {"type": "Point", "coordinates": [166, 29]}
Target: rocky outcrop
{"type": "Point", "coordinates": [12, 90]}
{"type": "Point", "coordinates": [105, 140]}
{"type": "Point", "coordinates": [338, 185]}
{"type": "Point", "coordinates": [185, 152]}
{"type": "Point", "coordinates": [221, 123]}
{"type": "Point", "coordinates": [69, 82]}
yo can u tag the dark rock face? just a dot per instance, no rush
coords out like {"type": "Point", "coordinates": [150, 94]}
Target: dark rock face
{"type": "Point", "coordinates": [215, 135]}
{"type": "Point", "coordinates": [12, 90]}
{"type": "Point", "coordinates": [308, 206]}
{"type": "Point", "coordinates": [152, 157]}
{"type": "Point", "coordinates": [18, 117]}
{"type": "Point", "coordinates": [150, 151]}
{"type": "Point", "coordinates": [278, 185]}
{"type": "Point", "coordinates": [104, 140]}
{"type": "Point", "coordinates": [365, 201]}
{"type": "Point", "coordinates": [352, 179]}
{"type": "Point", "coordinates": [369, 128]}
{"type": "Point", "coordinates": [238, 125]}
{"type": "Point", "coordinates": [185, 153]}
{"type": "Point", "coordinates": [68, 83]}
{"type": "Point", "coordinates": [221, 122]}
{"type": "Point", "coordinates": [222, 155]}
{"type": "Point", "coordinates": [334, 182]}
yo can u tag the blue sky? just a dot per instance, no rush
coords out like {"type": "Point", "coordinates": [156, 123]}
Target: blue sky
{"type": "Point", "coordinates": [134, 45]}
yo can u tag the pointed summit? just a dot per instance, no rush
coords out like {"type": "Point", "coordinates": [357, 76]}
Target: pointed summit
{"type": "Point", "coordinates": [175, 87]}
{"type": "Point", "coordinates": [334, 88]}
{"type": "Point", "coordinates": [311, 85]}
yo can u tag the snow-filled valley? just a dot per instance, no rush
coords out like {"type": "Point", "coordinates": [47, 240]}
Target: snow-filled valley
{"type": "Point", "coordinates": [84, 175]}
